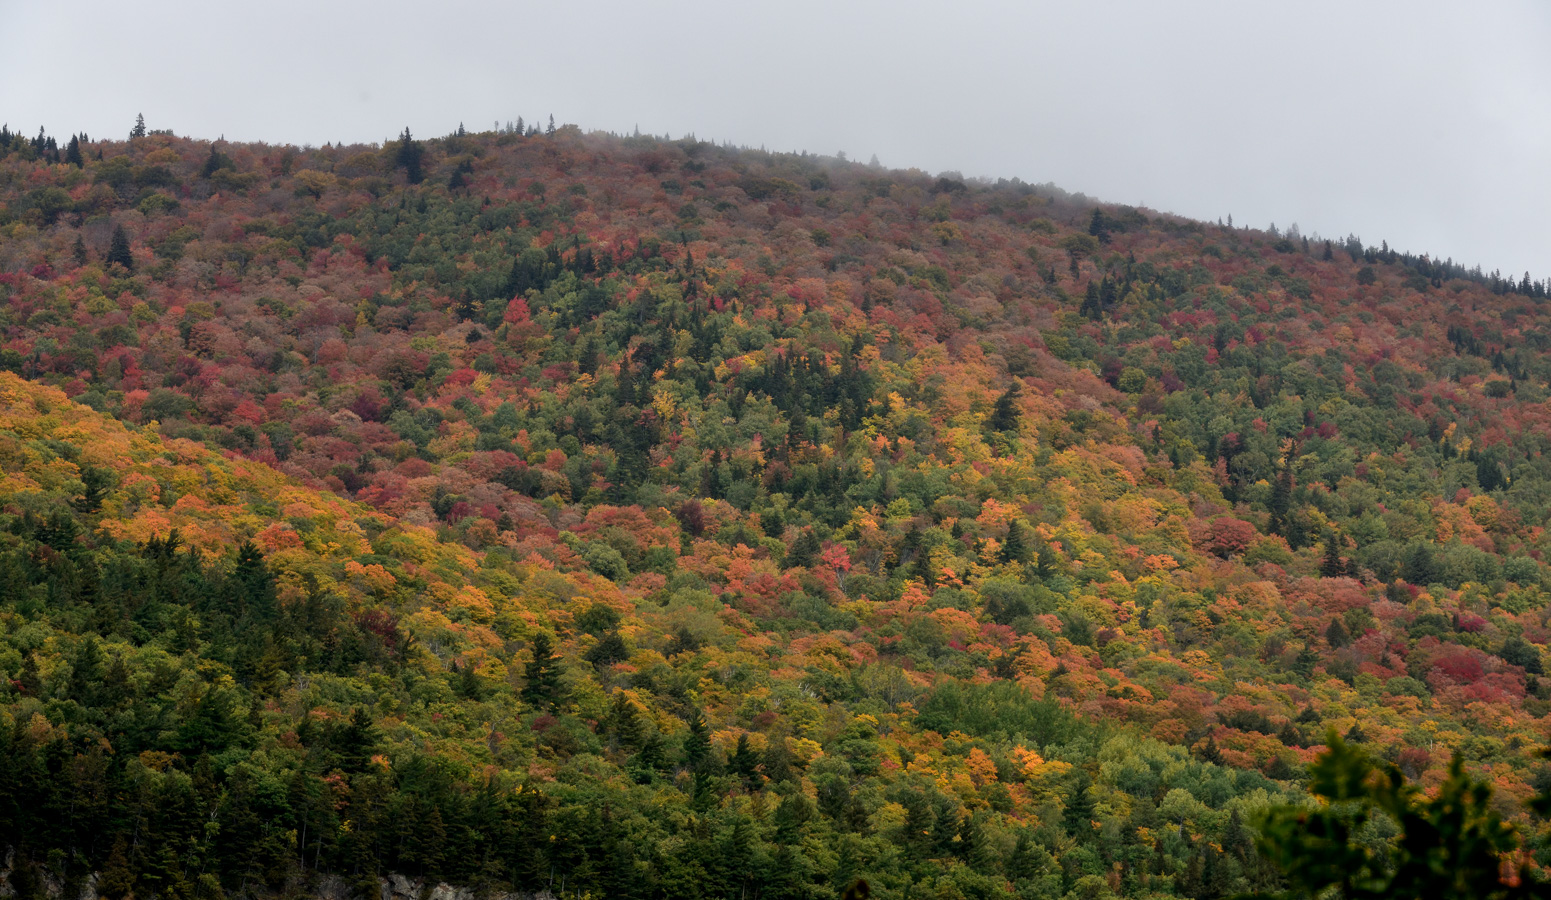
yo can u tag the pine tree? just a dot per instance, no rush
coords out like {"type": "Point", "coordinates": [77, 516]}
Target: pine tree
{"type": "Point", "coordinates": [1014, 550]}
{"type": "Point", "coordinates": [743, 762]}
{"type": "Point", "coordinates": [551, 129]}
{"type": "Point", "coordinates": [1332, 566]}
{"type": "Point", "coordinates": [609, 649]}
{"type": "Point", "coordinates": [1098, 226]}
{"type": "Point", "coordinates": [542, 673]}
{"type": "Point", "coordinates": [139, 130]}
{"type": "Point", "coordinates": [1281, 501]}
{"type": "Point", "coordinates": [119, 252]}
{"type": "Point", "coordinates": [1005, 415]}
{"type": "Point", "coordinates": [356, 741]}
{"type": "Point", "coordinates": [697, 744]}
{"type": "Point", "coordinates": [73, 153]}
{"type": "Point", "coordinates": [1092, 307]}
{"type": "Point", "coordinates": [409, 157]}
{"type": "Point", "coordinates": [214, 162]}
{"type": "Point", "coordinates": [467, 682]}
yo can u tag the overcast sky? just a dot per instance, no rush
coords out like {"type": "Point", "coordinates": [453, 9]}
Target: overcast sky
{"type": "Point", "coordinates": [1427, 124]}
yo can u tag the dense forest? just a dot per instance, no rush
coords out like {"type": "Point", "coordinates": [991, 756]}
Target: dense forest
{"type": "Point", "coordinates": [632, 517]}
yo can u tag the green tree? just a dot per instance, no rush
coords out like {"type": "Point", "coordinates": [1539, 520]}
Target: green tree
{"type": "Point", "coordinates": [118, 250]}
{"type": "Point", "coordinates": [409, 157]}
{"type": "Point", "coordinates": [1332, 565]}
{"type": "Point", "coordinates": [1098, 226]}
{"type": "Point", "coordinates": [1006, 414]}
{"type": "Point", "coordinates": [609, 649]}
{"type": "Point", "coordinates": [543, 689]}
{"type": "Point", "coordinates": [1451, 845]}
{"type": "Point", "coordinates": [139, 130]}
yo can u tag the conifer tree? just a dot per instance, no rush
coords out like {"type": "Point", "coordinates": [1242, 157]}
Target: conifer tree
{"type": "Point", "coordinates": [1014, 550]}
{"type": "Point", "coordinates": [118, 250]}
{"type": "Point", "coordinates": [1005, 414]}
{"type": "Point", "coordinates": [214, 162]}
{"type": "Point", "coordinates": [542, 673]}
{"type": "Point", "coordinates": [409, 157]}
{"type": "Point", "coordinates": [1098, 226]}
{"type": "Point", "coordinates": [139, 130]}
{"type": "Point", "coordinates": [1332, 566]}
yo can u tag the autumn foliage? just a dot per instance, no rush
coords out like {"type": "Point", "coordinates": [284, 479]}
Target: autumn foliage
{"type": "Point", "coordinates": [664, 518]}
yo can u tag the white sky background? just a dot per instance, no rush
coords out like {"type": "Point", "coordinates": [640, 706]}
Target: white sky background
{"type": "Point", "coordinates": [1423, 123]}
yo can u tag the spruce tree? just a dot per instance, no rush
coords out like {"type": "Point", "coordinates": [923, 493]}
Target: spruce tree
{"type": "Point", "coordinates": [1005, 415]}
{"type": "Point", "coordinates": [1281, 501]}
{"type": "Point", "coordinates": [409, 157]}
{"type": "Point", "coordinates": [1332, 566]}
{"type": "Point", "coordinates": [1092, 307]}
{"type": "Point", "coordinates": [542, 673]}
{"type": "Point", "coordinates": [118, 250]}
{"type": "Point", "coordinates": [139, 130]}
{"type": "Point", "coordinates": [467, 682]}
{"type": "Point", "coordinates": [73, 153]}
{"type": "Point", "coordinates": [1014, 550]}
{"type": "Point", "coordinates": [1098, 226]}
{"type": "Point", "coordinates": [214, 163]}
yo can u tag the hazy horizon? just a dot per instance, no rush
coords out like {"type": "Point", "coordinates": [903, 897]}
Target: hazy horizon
{"type": "Point", "coordinates": [1418, 124]}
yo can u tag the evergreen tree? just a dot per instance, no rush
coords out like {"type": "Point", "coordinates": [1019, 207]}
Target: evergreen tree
{"type": "Point", "coordinates": [744, 763]}
{"type": "Point", "coordinates": [1092, 306]}
{"type": "Point", "coordinates": [215, 162]}
{"type": "Point", "coordinates": [804, 551]}
{"type": "Point", "coordinates": [1281, 501]}
{"type": "Point", "coordinates": [1014, 549]}
{"type": "Point", "coordinates": [1005, 414]}
{"type": "Point", "coordinates": [1452, 844]}
{"type": "Point", "coordinates": [1098, 226]}
{"type": "Point", "coordinates": [139, 130]}
{"type": "Point", "coordinates": [542, 673]}
{"type": "Point", "coordinates": [73, 153]}
{"type": "Point", "coordinates": [610, 649]}
{"type": "Point", "coordinates": [409, 157]}
{"type": "Point", "coordinates": [697, 744]}
{"type": "Point", "coordinates": [467, 682]}
{"type": "Point", "coordinates": [1332, 566]}
{"type": "Point", "coordinates": [118, 250]}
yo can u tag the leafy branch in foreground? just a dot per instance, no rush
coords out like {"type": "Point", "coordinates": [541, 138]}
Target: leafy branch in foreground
{"type": "Point", "coordinates": [1373, 835]}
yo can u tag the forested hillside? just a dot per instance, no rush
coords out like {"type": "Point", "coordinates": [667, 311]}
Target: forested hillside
{"type": "Point", "coordinates": [658, 518]}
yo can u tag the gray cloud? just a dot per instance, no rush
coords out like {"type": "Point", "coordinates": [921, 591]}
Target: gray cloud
{"type": "Point", "coordinates": [1426, 124]}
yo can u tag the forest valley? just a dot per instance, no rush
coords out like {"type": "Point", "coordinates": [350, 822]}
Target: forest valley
{"type": "Point", "coordinates": [632, 517]}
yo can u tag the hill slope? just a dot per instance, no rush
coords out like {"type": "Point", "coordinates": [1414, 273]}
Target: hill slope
{"type": "Point", "coordinates": [853, 499]}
